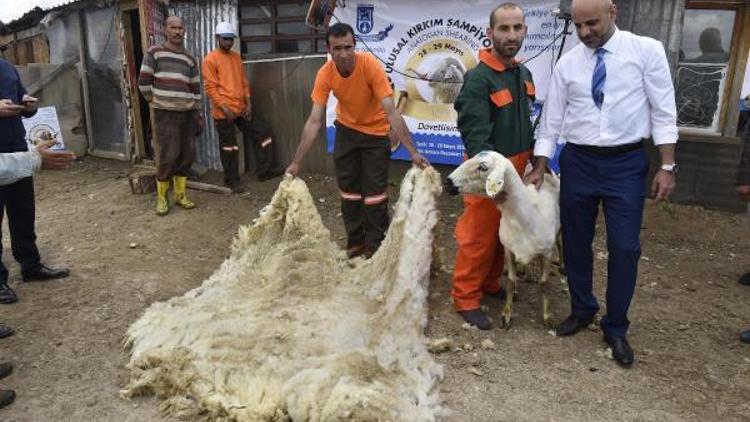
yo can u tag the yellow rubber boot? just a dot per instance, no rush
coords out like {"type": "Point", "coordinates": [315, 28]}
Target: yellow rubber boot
{"type": "Point", "coordinates": [180, 198]}
{"type": "Point", "coordinates": [162, 206]}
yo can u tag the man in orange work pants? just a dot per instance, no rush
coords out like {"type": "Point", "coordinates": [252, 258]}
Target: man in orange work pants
{"type": "Point", "coordinates": [500, 122]}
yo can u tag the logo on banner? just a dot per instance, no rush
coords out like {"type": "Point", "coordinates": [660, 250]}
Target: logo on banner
{"type": "Point", "coordinates": [365, 18]}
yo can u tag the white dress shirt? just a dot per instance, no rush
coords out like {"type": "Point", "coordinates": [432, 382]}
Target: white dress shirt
{"type": "Point", "coordinates": [639, 98]}
{"type": "Point", "coordinates": [14, 166]}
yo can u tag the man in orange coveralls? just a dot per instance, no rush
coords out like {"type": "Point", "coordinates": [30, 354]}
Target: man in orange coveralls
{"type": "Point", "coordinates": [493, 114]}
{"type": "Point", "coordinates": [229, 92]}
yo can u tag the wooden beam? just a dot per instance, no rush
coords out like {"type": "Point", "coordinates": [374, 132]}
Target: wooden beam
{"type": "Point", "coordinates": [37, 86]}
{"type": "Point", "coordinates": [208, 187]}
{"type": "Point", "coordinates": [735, 75]}
{"type": "Point", "coordinates": [84, 74]}
{"type": "Point", "coordinates": [132, 79]}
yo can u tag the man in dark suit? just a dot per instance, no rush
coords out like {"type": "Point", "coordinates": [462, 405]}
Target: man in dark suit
{"type": "Point", "coordinates": [17, 199]}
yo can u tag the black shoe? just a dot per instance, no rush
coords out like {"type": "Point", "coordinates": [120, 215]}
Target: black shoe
{"type": "Point", "coordinates": [235, 187]}
{"type": "Point", "coordinates": [43, 272]}
{"type": "Point", "coordinates": [571, 325]}
{"type": "Point", "coordinates": [476, 318]}
{"type": "Point", "coordinates": [621, 351]}
{"type": "Point", "coordinates": [270, 174]}
{"type": "Point", "coordinates": [5, 369]}
{"type": "Point", "coordinates": [6, 397]}
{"type": "Point", "coordinates": [6, 331]}
{"type": "Point", "coordinates": [744, 279]}
{"type": "Point", "coordinates": [745, 336]}
{"type": "Point", "coordinates": [7, 295]}
{"type": "Point", "coordinates": [500, 294]}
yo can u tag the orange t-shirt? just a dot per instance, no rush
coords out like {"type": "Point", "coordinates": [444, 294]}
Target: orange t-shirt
{"type": "Point", "coordinates": [225, 82]}
{"type": "Point", "coordinates": [359, 94]}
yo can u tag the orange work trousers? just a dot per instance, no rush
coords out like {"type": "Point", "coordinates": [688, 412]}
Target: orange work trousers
{"type": "Point", "coordinates": [480, 257]}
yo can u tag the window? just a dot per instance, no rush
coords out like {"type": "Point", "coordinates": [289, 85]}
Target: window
{"type": "Point", "coordinates": [277, 27]}
{"type": "Point", "coordinates": [707, 65]}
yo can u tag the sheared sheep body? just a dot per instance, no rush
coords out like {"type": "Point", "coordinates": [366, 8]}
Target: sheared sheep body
{"type": "Point", "coordinates": [530, 220]}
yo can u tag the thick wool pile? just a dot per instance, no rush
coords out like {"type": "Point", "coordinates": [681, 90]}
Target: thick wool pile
{"type": "Point", "coordinates": [289, 329]}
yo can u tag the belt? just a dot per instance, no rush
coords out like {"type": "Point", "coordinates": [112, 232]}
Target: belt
{"type": "Point", "coordinates": [609, 151]}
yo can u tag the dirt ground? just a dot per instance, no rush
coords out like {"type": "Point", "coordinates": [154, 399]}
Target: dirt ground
{"type": "Point", "coordinates": [686, 315]}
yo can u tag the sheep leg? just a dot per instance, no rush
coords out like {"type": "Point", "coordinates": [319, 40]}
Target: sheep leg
{"type": "Point", "coordinates": [511, 290]}
{"type": "Point", "coordinates": [544, 288]}
{"type": "Point", "coordinates": [559, 246]}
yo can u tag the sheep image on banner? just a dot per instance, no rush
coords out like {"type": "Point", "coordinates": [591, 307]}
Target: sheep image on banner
{"type": "Point", "coordinates": [289, 329]}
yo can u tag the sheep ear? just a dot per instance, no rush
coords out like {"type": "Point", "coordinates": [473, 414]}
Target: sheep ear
{"type": "Point", "coordinates": [494, 183]}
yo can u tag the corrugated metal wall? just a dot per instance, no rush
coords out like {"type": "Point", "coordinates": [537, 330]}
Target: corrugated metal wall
{"type": "Point", "coordinates": [200, 19]}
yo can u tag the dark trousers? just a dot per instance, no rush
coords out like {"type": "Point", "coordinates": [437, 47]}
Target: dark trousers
{"type": "Point", "coordinates": [174, 146]}
{"type": "Point", "coordinates": [361, 162]}
{"type": "Point", "coordinates": [254, 132]}
{"type": "Point", "coordinates": [618, 182]}
{"type": "Point", "coordinates": [17, 200]}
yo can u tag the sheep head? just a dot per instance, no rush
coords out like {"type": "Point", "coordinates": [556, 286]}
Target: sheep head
{"type": "Point", "coordinates": [446, 80]}
{"type": "Point", "coordinates": [483, 174]}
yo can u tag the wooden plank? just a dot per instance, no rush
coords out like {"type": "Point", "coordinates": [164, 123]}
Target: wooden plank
{"type": "Point", "coordinates": [208, 187]}
{"type": "Point", "coordinates": [735, 76]}
{"type": "Point", "coordinates": [84, 75]}
{"type": "Point", "coordinates": [286, 85]}
{"type": "Point", "coordinates": [37, 86]}
{"type": "Point", "coordinates": [126, 5]}
{"type": "Point", "coordinates": [131, 69]}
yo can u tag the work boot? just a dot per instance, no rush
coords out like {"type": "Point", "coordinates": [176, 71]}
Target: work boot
{"type": "Point", "coordinates": [270, 174]}
{"type": "Point", "coordinates": [180, 197]}
{"type": "Point", "coordinates": [6, 397]}
{"type": "Point", "coordinates": [477, 318]}
{"type": "Point", "coordinates": [235, 187]}
{"type": "Point", "coordinates": [162, 205]}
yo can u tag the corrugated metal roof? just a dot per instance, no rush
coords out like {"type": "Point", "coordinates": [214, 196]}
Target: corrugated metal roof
{"type": "Point", "coordinates": [35, 15]}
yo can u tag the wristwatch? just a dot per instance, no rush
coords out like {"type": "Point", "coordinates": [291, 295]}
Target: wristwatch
{"type": "Point", "coordinates": [672, 168]}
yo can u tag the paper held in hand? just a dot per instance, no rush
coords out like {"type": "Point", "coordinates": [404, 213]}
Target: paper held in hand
{"type": "Point", "coordinates": [44, 126]}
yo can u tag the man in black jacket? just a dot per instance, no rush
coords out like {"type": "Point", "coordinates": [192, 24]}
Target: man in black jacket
{"type": "Point", "coordinates": [17, 199]}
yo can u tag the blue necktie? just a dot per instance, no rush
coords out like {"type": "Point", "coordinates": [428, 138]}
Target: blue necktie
{"type": "Point", "coordinates": [598, 79]}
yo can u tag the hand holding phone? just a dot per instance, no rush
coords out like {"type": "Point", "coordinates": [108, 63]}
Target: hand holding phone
{"type": "Point", "coordinates": [29, 103]}
{"type": "Point", "coordinates": [8, 109]}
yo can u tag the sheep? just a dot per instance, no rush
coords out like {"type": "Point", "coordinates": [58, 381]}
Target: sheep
{"type": "Point", "coordinates": [445, 80]}
{"type": "Point", "coordinates": [530, 222]}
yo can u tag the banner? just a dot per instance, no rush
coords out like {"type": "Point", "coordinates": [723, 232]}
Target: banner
{"type": "Point", "coordinates": [426, 47]}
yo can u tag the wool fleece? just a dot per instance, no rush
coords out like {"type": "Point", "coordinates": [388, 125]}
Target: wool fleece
{"type": "Point", "coordinates": [289, 329]}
